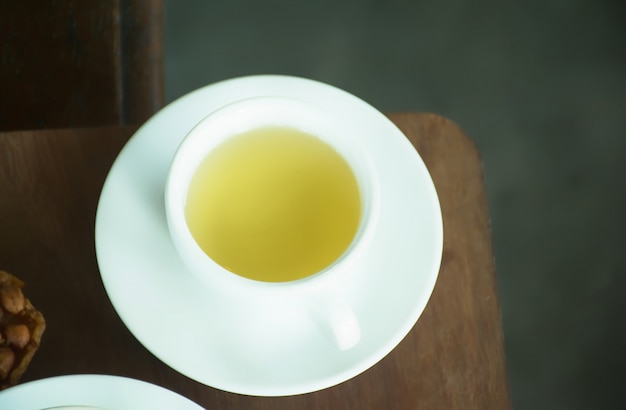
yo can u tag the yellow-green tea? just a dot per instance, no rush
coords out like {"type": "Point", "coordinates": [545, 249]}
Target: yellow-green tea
{"type": "Point", "coordinates": [273, 204]}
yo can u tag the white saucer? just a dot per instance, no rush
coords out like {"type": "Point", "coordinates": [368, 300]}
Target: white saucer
{"type": "Point", "coordinates": [268, 351]}
{"type": "Point", "coordinates": [91, 390]}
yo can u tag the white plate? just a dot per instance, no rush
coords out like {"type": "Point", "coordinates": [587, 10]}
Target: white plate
{"type": "Point", "coordinates": [266, 352]}
{"type": "Point", "coordinates": [106, 392]}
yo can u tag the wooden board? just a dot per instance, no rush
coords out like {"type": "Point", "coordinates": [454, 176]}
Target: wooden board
{"type": "Point", "coordinates": [452, 359]}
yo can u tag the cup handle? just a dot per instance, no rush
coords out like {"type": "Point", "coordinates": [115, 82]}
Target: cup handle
{"type": "Point", "coordinates": [336, 318]}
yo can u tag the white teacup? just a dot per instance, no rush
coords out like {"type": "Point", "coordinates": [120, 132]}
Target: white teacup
{"type": "Point", "coordinates": [323, 292]}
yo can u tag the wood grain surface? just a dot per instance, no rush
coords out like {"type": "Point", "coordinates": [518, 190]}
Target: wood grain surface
{"type": "Point", "coordinates": [76, 63]}
{"type": "Point", "coordinates": [453, 358]}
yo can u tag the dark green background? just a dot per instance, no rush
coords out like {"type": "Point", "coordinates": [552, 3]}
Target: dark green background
{"type": "Point", "coordinates": [540, 86]}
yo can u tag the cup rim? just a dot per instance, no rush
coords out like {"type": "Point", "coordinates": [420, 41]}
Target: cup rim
{"type": "Point", "coordinates": [183, 240]}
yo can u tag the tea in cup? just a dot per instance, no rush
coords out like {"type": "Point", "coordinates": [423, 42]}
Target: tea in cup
{"type": "Point", "coordinates": [270, 196]}
{"type": "Point", "coordinates": [273, 204]}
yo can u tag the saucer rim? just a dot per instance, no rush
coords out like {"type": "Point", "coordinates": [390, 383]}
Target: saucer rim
{"type": "Point", "coordinates": [92, 391]}
{"type": "Point", "coordinates": [350, 371]}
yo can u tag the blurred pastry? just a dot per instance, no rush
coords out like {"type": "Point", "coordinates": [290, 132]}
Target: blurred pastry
{"type": "Point", "coordinates": [21, 328]}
